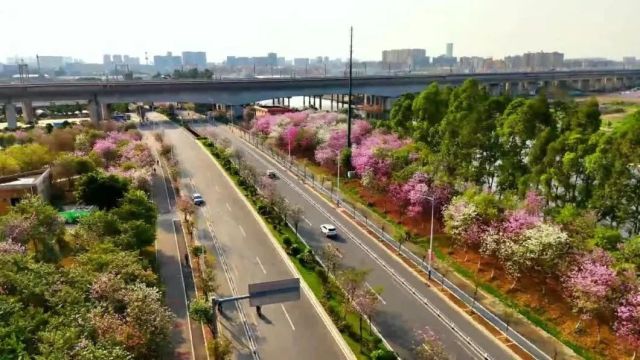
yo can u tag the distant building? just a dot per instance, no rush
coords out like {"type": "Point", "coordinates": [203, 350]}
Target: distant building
{"type": "Point", "coordinates": [273, 59]}
{"type": "Point", "coordinates": [167, 63]}
{"type": "Point", "coordinates": [630, 61]}
{"type": "Point", "coordinates": [535, 61]}
{"type": "Point", "coordinates": [14, 188]}
{"type": "Point", "coordinates": [194, 59]}
{"type": "Point", "coordinates": [412, 58]}
{"type": "Point", "coordinates": [449, 50]}
{"type": "Point", "coordinates": [51, 62]}
{"type": "Point", "coordinates": [106, 60]}
{"type": "Point", "coordinates": [444, 61]}
{"type": "Point", "coordinates": [117, 59]}
{"type": "Point", "coordinates": [301, 62]}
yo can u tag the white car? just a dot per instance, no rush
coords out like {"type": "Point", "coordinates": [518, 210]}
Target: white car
{"type": "Point", "coordinates": [328, 230]}
{"type": "Point", "coordinates": [197, 199]}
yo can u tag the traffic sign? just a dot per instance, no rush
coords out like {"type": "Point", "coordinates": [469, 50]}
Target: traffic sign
{"type": "Point", "coordinates": [273, 292]}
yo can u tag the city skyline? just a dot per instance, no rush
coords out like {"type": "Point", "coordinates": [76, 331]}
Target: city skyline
{"type": "Point", "coordinates": [491, 28]}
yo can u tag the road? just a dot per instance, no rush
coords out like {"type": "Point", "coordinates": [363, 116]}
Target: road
{"type": "Point", "coordinates": [246, 254]}
{"type": "Point", "coordinates": [405, 308]}
{"type": "Point", "coordinates": [187, 337]}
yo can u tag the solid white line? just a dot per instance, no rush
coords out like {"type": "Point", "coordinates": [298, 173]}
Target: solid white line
{"type": "Point", "coordinates": [261, 267]}
{"type": "Point", "coordinates": [288, 318]}
{"type": "Point", "coordinates": [377, 295]}
{"type": "Point", "coordinates": [308, 222]}
{"type": "Point", "coordinates": [184, 288]}
{"type": "Point", "coordinates": [242, 231]}
{"type": "Point", "coordinates": [228, 207]}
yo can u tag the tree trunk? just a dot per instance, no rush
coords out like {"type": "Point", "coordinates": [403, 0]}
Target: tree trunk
{"type": "Point", "coordinates": [360, 325]}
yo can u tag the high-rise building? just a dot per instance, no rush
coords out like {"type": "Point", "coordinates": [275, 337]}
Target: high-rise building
{"type": "Point", "coordinates": [117, 59]}
{"type": "Point", "coordinates": [51, 62]}
{"type": "Point", "coordinates": [106, 59]}
{"type": "Point", "coordinates": [167, 63]}
{"type": "Point", "coordinates": [194, 59]}
{"type": "Point", "coordinates": [301, 62]}
{"type": "Point", "coordinates": [414, 58]}
{"type": "Point", "coordinates": [273, 59]}
{"type": "Point", "coordinates": [449, 50]}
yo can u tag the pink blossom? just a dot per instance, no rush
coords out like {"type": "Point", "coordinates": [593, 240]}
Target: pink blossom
{"type": "Point", "coordinates": [533, 203]}
{"type": "Point", "coordinates": [10, 247]}
{"type": "Point", "coordinates": [104, 148]}
{"type": "Point", "coordinates": [591, 281]}
{"type": "Point", "coordinates": [373, 155]}
{"type": "Point", "coordinates": [137, 153]}
{"type": "Point", "coordinates": [627, 325]}
{"type": "Point", "coordinates": [328, 152]}
{"type": "Point", "coordinates": [21, 136]}
{"type": "Point", "coordinates": [519, 221]}
{"type": "Point", "coordinates": [419, 191]}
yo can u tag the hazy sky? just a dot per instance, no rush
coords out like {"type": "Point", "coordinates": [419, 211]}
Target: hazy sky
{"type": "Point", "coordinates": [88, 28]}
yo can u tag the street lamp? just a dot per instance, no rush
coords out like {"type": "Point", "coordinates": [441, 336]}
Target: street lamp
{"type": "Point", "coordinates": [430, 264]}
{"type": "Point", "coordinates": [338, 181]}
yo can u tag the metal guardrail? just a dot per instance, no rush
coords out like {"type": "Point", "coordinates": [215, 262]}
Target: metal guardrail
{"type": "Point", "coordinates": [476, 307]}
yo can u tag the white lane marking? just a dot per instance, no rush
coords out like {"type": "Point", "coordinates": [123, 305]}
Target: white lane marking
{"type": "Point", "coordinates": [261, 267]}
{"type": "Point", "coordinates": [228, 207]}
{"type": "Point", "coordinates": [308, 222]}
{"type": "Point", "coordinates": [288, 318]}
{"type": "Point", "coordinates": [377, 295]}
{"type": "Point", "coordinates": [242, 231]}
{"type": "Point", "coordinates": [286, 200]}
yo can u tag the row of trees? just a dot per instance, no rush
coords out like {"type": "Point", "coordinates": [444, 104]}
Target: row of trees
{"type": "Point", "coordinates": [486, 162]}
{"type": "Point", "coordinates": [85, 292]}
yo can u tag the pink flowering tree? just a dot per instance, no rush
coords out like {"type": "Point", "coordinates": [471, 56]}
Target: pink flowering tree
{"type": "Point", "coordinates": [106, 150]}
{"type": "Point", "coordinates": [372, 158]}
{"type": "Point", "coordinates": [627, 325]}
{"type": "Point", "coordinates": [138, 154]}
{"type": "Point", "coordinates": [327, 153]}
{"type": "Point", "coordinates": [533, 203]}
{"type": "Point", "coordinates": [590, 283]}
{"type": "Point", "coordinates": [10, 247]}
{"type": "Point", "coordinates": [419, 191]}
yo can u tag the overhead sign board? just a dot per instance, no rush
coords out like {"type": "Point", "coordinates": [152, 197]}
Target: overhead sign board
{"type": "Point", "coordinates": [274, 292]}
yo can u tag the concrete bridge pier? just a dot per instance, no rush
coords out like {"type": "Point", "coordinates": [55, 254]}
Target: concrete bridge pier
{"type": "Point", "coordinates": [585, 85]}
{"type": "Point", "coordinates": [27, 111]}
{"type": "Point", "coordinates": [235, 111]}
{"type": "Point", "coordinates": [94, 111]}
{"type": "Point", "coordinates": [12, 116]}
{"type": "Point", "coordinates": [105, 111]}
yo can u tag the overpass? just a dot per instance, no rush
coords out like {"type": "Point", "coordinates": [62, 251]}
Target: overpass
{"type": "Point", "coordinates": [378, 89]}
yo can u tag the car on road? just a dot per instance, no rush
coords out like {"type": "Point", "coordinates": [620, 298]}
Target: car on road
{"type": "Point", "coordinates": [271, 174]}
{"type": "Point", "coordinates": [197, 199]}
{"type": "Point", "coordinates": [328, 230]}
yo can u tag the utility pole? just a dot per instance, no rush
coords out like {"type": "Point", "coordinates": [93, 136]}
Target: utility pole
{"type": "Point", "coordinates": [350, 111]}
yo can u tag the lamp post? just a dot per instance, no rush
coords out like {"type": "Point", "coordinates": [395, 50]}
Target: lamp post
{"type": "Point", "coordinates": [338, 181]}
{"type": "Point", "coordinates": [431, 239]}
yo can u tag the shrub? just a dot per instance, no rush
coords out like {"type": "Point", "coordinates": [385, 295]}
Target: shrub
{"type": "Point", "coordinates": [382, 354]}
{"type": "Point", "coordinates": [286, 240]}
{"type": "Point", "coordinates": [295, 250]}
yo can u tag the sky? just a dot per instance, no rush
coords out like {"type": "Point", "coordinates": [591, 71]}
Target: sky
{"type": "Point", "coordinates": [87, 29]}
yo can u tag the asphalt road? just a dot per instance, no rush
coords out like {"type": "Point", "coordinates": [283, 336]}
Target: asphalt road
{"type": "Point", "coordinates": [187, 336]}
{"type": "Point", "coordinates": [403, 309]}
{"type": "Point", "coordinates": [227, 226]}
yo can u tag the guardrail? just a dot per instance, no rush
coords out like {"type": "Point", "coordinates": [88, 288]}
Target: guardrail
{"type": "Point", "coordinates": [460, 294]}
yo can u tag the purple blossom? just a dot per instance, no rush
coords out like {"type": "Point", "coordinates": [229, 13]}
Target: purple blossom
{"type": "Point", "coordinates": [104, 148]}
{"type": "Point", "coordinates": [533, 203]}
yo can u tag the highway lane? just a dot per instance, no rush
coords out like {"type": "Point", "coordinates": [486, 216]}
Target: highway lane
{"type": "Point", "coordinates": [405, 294]}
{"type": "Point", "coordinates": [289, 331]}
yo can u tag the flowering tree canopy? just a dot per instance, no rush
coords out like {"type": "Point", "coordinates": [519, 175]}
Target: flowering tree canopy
{"type": "Point", "coordinates": [627, 325]}
{"type": "Point", "coordinates": [459, 217]}
{"type": "Point", "coordinates": [590, 282]}
{"type": "Point", "coordinates": [373, 155]}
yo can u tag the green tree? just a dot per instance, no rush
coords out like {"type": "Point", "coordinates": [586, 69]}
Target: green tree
{"type": "Point", "coordinates": [30, 156]}
{"type": "Point", "coordinates": [136, 206]}
{"type": "Point", "coordinates": [8, 165]}
{"type": "Point", "coordinates": [428, 109]}
{"type": "Point", "coordinates": [36, 224]}
{"type": "Point", "coordinates": [201, 310]}
{"type": "Point", "coordinates": [101, 190]}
